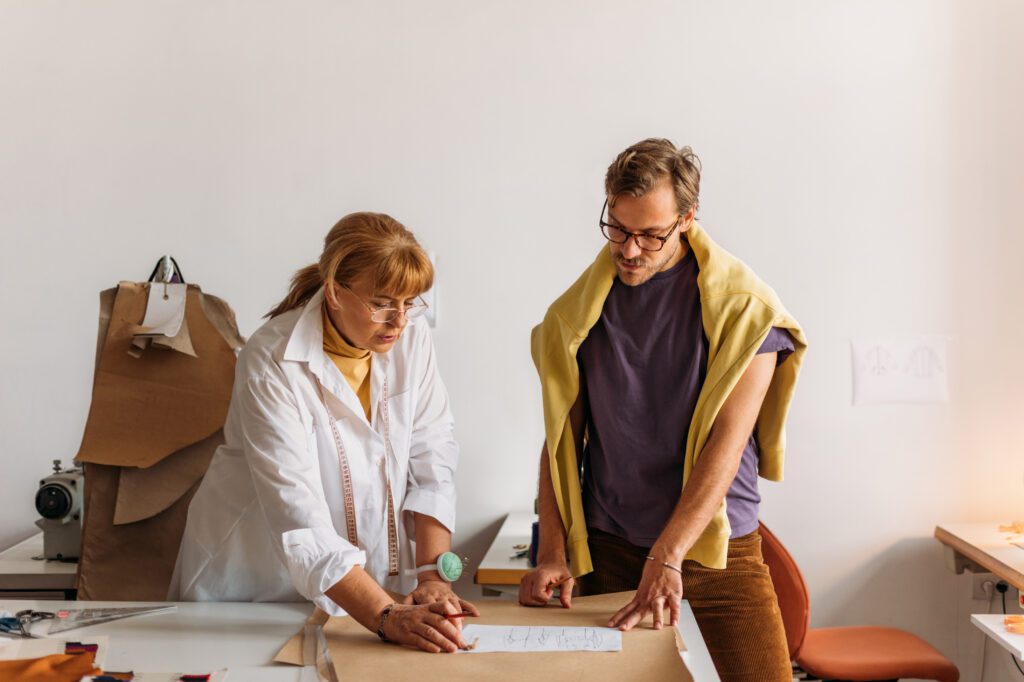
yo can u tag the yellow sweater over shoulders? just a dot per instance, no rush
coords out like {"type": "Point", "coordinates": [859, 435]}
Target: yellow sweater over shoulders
{"type": "Point", "coordinates": [738, 311]}
{"type": "Point", "coordinates": [352, 362]}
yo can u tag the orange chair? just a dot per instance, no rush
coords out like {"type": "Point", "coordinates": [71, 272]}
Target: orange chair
{"type": "Point", "coordinates": [857, 654]}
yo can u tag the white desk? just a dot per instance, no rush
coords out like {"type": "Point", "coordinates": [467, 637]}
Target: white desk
{"type": "Point", "coordinates": [198, 637]}
{"type": "Point", "coordinates": [992, 625]}
{"type": "Point", "coordinates": [20, 572]}
{"type": "Point", "coordinates": [205, 636]}
{"type": "Point", "coordinates": [499, 574]}
{"type": "Point", "coordinates": [981, 548]}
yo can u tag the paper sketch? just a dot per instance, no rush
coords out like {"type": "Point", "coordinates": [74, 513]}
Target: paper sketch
{"type": "Point", "coordinates": [521, 638]}
{"type": "Point", "coordinates": [900, 370]}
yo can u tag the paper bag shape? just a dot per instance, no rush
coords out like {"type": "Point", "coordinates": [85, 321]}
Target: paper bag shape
{"type": "Point", "coordinates": [155, 421]}
{"type": "Point", "coordinates": [145, 408]}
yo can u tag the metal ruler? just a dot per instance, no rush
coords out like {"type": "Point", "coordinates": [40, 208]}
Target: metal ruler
{"type": "Point", "coordinates": [80, 618]}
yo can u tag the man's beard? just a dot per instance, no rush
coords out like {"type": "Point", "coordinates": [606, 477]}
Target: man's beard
{"type": "Point", "coordinates": [647, 269]}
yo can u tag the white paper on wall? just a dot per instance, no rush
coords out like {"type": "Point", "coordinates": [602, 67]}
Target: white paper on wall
{"type": "Point", "coordinates": [913, 369]}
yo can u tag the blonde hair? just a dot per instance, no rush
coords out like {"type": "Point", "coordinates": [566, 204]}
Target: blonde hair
{"type": "Point", "coordinates": [358, 244]}
{"type": "Point", "coordinates": [638, 169]}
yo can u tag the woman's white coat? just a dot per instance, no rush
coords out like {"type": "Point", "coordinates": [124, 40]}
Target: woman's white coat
{"type": "Point", "coordinates": [268, 520]}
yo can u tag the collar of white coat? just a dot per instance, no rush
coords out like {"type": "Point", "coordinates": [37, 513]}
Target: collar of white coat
{"type": "Point", "coordinates": [306, 344]}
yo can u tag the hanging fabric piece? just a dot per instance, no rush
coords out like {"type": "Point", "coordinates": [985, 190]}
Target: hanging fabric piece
{"type": "Point", "coordinates": [154, 423]}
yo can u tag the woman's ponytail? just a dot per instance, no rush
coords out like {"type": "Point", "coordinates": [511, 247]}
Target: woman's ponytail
{"type": "Point", "coordinates": [305, 283]}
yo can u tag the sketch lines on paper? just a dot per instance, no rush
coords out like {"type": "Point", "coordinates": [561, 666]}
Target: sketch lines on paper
{"type": "Point", "coordinates": [900, 370]}
{"type": "Point", "coordinates": [522, 638]}
{"type": "Point", "coordinates": [572, 639]}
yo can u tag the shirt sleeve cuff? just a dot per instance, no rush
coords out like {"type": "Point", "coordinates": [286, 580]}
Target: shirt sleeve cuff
{"type": "Point", "coordinates": [432, 503]}
{"type": "Point", "coordinates": [317, 558]}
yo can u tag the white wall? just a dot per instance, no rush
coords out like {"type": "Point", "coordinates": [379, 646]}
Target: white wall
{"type": "Point", "coordinates": [862, 156]}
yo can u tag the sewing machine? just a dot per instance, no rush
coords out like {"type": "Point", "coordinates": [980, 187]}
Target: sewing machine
{"type": "Point", "coordinates": [59, 502]}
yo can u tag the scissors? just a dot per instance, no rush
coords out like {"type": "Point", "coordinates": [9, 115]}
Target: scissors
{"type": "Point", "coordinates": [19, 625]}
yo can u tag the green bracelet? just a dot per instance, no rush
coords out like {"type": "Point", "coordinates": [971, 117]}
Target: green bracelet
{"type": "Point", "coordinates": [449, 567]}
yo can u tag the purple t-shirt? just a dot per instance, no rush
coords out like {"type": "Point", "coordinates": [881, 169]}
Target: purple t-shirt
{"type": "Point", "coordinates": [642, 366]}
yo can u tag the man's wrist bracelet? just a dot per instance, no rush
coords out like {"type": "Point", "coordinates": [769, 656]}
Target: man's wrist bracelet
{"type": "Point", "coordinates": [666, 564]}
{"type": "Point", "coordinates": [383, 619]}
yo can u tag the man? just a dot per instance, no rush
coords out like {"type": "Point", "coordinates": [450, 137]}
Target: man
{"type": "Point", "coordinates": [670, 366]}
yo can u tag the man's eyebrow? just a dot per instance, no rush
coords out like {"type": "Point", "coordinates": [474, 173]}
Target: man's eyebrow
{"type": "Point", "coordinates": [645, 230]}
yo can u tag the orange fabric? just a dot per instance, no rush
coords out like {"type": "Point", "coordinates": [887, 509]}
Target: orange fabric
{"type": "Point", "coordinates": [794, 602]}
{"type": "Point", "coordinates": [873, 653]}
{"type": "Point", "coordinates": [55, 668]}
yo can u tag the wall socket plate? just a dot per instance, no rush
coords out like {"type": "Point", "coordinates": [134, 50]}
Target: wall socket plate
{"type": "Point", "coordinates": [978, 581]}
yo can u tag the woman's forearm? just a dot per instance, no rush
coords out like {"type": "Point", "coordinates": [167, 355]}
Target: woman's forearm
{"type": "Point", "coordinates": [361, 597]}
{"type": "Point", "coordinates": [432, 540]}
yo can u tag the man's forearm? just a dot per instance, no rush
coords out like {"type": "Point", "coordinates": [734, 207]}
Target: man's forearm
{"type": "Point", "coordinates": [712, 475]}
{"type": "Point", "coordinates": [718, 463]}
{"type": "Point", "coordinates": [552, 531]}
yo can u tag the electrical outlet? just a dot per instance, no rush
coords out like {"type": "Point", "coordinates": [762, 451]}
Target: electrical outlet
{"type": "Point", "coordinates": [978, 585]}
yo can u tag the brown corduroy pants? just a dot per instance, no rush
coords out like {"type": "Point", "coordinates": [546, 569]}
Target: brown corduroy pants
{"type": "Point", "coordinates": [735, 607]}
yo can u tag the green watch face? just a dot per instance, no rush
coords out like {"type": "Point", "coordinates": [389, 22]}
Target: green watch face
{"type": "Point", "coordinates": [449, 565]}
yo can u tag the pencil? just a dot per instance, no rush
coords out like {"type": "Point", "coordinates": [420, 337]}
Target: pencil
{"type": "Point", "coordinates": [464, 614]}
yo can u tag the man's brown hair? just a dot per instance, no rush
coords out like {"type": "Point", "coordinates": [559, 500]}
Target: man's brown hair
{"type": "Point", "coordinates": [638, 169]}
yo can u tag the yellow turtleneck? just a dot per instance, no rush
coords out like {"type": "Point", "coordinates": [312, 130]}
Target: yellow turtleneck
{"type": "Point", "coordinates": [352, 362]}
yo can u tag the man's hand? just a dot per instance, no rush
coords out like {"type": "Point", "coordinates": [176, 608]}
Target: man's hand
{"type": "Point", "coordinates": [437, 591]}
{"type": "Point", "coordinates": [660, 586]}
{"type": "Point", "coordinates": [424, 627]}
{"type": "Point", "coordinates": [538, 585]}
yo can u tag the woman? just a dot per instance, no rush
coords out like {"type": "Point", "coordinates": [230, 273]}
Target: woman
{"type": "Point", "coordinates": [339, 451]}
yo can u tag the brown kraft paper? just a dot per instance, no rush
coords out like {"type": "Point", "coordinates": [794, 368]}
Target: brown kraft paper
{"type": "Point", "coordinates": [647, 654]}
{"type": "Point", "coordinates": [154, 424]}
{"type": "Point", "coordinates": [145, 408]}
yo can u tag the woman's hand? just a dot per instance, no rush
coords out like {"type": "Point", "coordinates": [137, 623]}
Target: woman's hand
{"type": "Point", "coordinates": [660, 586]}
{"type": "Point", "coordinates": [437, 591]}
{"type": "Point", "coordinates": [538, 585]}
{"type": "Point", "coordinates": [424, 627]}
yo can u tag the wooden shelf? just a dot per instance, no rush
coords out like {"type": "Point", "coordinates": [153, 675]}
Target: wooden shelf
{"type": "Point", "coordinates": [983, 545]}
{"type": "Point", "coordinates": [497, 568]}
